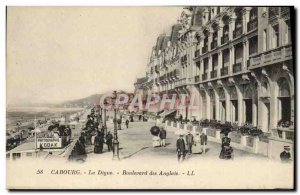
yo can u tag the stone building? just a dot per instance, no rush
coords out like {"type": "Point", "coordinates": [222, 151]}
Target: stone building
{"type": "Point", "coordinates": [238, 63]}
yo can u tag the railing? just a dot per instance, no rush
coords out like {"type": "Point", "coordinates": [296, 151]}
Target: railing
{"type": "Point", "coordinates": [285, 133]}
{"type": "Point", "coordinates": [285, 12]}
{"type": "Point", "coordinates": [279, 54]}
{"type": "Point", "coordinates": [237, 32]}
{"type": "Point", "coordinates": [237, 67]}
{"type": "Point", "coordinates": [204, 76]}
{"type": "Point", "coordinates": [224, 71]}
{"type": "Point", "coordinates": [273, 13]}
{"type": "Point", "coordinates": [252, 25]}
{"type": "Point", "coordinates": [214, 44]}
{"type": "Point", "coordinates": [224, 39]}
{"type": "Point", "coordinates": [213, 74]}
{"type": "Point", "coordinates": [204, 49]}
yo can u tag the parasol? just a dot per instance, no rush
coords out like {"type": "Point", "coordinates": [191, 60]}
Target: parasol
{"type": "Point", "coordinates": [155, 130]}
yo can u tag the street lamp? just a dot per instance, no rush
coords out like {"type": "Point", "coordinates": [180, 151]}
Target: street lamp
{"type": "Point", "coordinates": [115, 141]}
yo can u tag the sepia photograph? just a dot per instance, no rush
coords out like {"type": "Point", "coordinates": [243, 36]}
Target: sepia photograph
{"type": "Point", "coordinates": [150, 97]}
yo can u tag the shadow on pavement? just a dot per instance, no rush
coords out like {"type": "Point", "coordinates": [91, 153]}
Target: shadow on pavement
{"type": "Point", "coordinates": [130, 155]}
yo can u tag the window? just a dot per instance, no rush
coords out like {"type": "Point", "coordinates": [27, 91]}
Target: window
{"type": "Point", "coordinates": [275, 36]}
{"type": "Point", "coordinates": [253, 45]}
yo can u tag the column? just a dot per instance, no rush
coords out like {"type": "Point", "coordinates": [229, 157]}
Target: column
{"type": "Point", "coordinates": [246, 16]}
{"type": "Point", "coordinates": [227, 105]}
{"type": "Point", "coordinates": [220, 61]}
{"type": "Point", "coordinates": [209, 66]}
{"type": "Point", "coordinates": [217, 104]}
{"type": "Point", "coordinates": [231, 27]}
{"type": "Point", "coordinates": [207, 105]}
{"type": "Point", "coordinates": [241, 111]}
{"type": "Point", "coordinates": [220, 33]}
{"type": "Point", "coordinates": [245, 54]}
{"type": "Point", "coordinates": [231, 59]}
{"type": "Point", "coordinates": [210, 35]}
{"type": "Point", "coordinates": [254, 112]}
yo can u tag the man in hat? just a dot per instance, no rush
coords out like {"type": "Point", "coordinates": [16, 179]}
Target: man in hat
{"type": "Point", "coordinates": [109, 138]}
{"type": "Point", "coordinates": [189, 142]}
{"type": "Point", "coordinates": [180, 145]}
{"type": "Point", "coordinates": [162, 136]}
{"type": "Point", "coordinates": [203, 138]}
{"type": "Point", "coordinates": [285, 156]}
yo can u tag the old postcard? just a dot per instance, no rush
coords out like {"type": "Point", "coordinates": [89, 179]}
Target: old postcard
{"type": "Point", "coordinates": [166, 97]}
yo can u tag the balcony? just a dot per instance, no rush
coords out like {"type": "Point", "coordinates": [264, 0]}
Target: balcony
{"type": "Point", "coordinates": [204, 76]}
{"type": "Point", "coordinates": [213, 74]}
{"type": "Point", "coordinates": [237, 67]}
{"type": "Point", "coordinates": [237, 32]}
{"type": "Point", "coordinates": [197, 79]}
{"type": "Point", "coordinates": [277, 55]}
{"type": "Point", "coordinates": [252, 25]}
{"type": "Point", "coordinates": [204, 49]}
{"type": "Point", "coordinates": [285, 12]}
{"type": "Point", "coordinates": [224, 39]}
{"type": "Point", "coordinates": [273, 13]}
{"type": "Point", "coordinates": [197, 53]}
{"type": "Point", "coordinates": [224, 71]}
{"type": "Point", "coordinates": [214, 44]}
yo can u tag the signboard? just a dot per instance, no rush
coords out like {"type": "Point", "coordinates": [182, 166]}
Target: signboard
{"type": "Point", "coordinates": [48, 143]}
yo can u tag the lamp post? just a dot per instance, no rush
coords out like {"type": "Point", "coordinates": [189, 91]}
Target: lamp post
{"type": "Point", "coordinates": [115, 141]}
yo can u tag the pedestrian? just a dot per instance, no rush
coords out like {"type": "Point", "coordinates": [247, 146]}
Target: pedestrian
{"type": "Point", "coordinates": [203, 138]}
{"type": "Point", "coordinates": [98, 145]}
{"type": "Point", "coordinates": [127, 123]}
{"type": "Point", "coordinates": [109, 138]}
{"type": "Point", "coordinates": [285, 156]}
{"type": "Point", "coordinates": [226, 149]}
{"type": "Point", "coordinates": [189, 142]}
{"type": "Point", "coordinates": [196, 149]}
{"type": "Point", "coordinates": [162, 136]}
{"type": "Point", "coordinates": [180, 145]}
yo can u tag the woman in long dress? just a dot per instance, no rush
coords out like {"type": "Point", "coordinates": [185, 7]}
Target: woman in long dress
{"type": "Point", "coordinates": [196, 148]}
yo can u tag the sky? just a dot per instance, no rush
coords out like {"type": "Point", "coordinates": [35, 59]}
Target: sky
{"type": "Point", "coordinates": [55, 54]}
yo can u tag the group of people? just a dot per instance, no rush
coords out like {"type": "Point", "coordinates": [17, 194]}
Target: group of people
{"type": "Point", "coordinates": [195, 144]}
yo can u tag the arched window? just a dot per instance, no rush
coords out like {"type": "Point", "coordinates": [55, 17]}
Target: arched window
{"type": "Point", "coordinates": [265, 92]}
{"type": "Point", "coordinates": [284, 89]}
{"type": "Point", "coordinates": [221, 94]}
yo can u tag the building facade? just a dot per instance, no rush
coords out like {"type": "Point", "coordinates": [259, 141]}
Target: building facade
{"type": "Point", "coordinates": [237, 61]}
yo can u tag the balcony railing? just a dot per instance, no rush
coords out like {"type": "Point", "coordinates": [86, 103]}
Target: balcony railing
{"type": "Point", "coordinates": [213, 74]}
{"type": "Point", "coordinates": [197, 53]}
{"type": "Point", "coordinates": [272, 56]}
{"type": "Point", "coordinates": [214, 44]}
{"type": "Point", "coordinates": [224, 39]}
{"type": "Point", "coordinates": [285, 12]}
{"type": "Point", "coordinates": [224, 71]}
{"type": "Point", "coordinates": [204, 76]}
{"type": "Point", "coordinates": [237, 32]}
{"type": "Point", "coordinates": [204, 49]}
{"type": "Point", "coordinates": [273, 13]}
{"type": "Point", "coordinates": [237, 67]}
{"type": "Point", "coordinates": [197, 78]}
{"type": "Point", "coordinates": [252, 25]}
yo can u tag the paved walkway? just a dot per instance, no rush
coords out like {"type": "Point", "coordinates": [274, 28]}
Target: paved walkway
{"type": "Point", "coordinates": [136, 142]}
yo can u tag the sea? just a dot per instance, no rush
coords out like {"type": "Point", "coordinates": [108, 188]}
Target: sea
{"type": "Point", "coordinates": [27, 115]}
